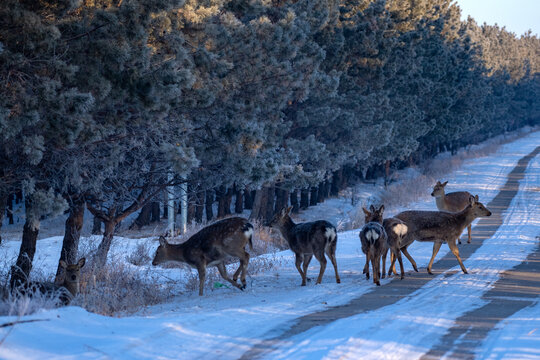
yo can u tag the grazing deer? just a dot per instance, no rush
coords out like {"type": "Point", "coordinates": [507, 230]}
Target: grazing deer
{"type": "Point", "coordinates": [308, 239]}
{"type": "Point", "coordinates": [211, 246]}
{"type": "Point", "coordinates": [374, 242]}
{"type": "Point", "coordinates": [441, 226]}
{"type": "Point", "coordinates": [395, 231]}
{"type": "Point", "coordinates": [451, 202]}
{"type": "Point", "coordinates": [65, 291]}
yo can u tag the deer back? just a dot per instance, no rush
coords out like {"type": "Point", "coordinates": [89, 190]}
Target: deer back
{"type": "Point", "coordinates": [210, 245]}
{"type": "Point", "coordinates": [441, 225]}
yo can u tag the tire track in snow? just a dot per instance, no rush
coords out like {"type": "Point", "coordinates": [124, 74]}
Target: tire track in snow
{"type": "Point", "coordinates": [473, 332]}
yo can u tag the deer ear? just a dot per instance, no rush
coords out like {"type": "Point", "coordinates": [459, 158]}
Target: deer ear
{"type": "Point", "coordinates": [289, 209]}
{"type": "Point", "coordinates": [444, 183]}
{"type": "Point", "coordinates": [438, 182]}
{"type": "Point", "coordinates": [471, 200]}
{"type": "Point", "coordinates": [81, 262]}
{"type": "Point", "coordinates": [366, 211]}
{"type": "Point", "coordinates": [372, 208]}
{"type": "Point", "coordinates": [476, 198]}
{"type": "Point", "coordinates": [162, 241]}
{"type": "Point", "coordinates": [63, 264]}
{"type": "Point", "coordinates": [381, 209]}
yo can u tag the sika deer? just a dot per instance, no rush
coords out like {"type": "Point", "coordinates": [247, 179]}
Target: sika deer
{"type": "Point", "coordinates": [308, 239]}
{"type": "Point", "coordinates": [441, 226]}
{"type": "Point", "coordinates": [374, 242]}
{"type": "Point", "coordinates": [395, 231]}
{"type": "Point", "coordinates": [452, 202]}
{"type": "Point", "coordinates": [65, 291]}
{"type": "Point", "coordinates": [211, 246]}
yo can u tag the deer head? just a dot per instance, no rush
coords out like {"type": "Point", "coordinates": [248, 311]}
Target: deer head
{"type": "Point", "coordinates": [438, 189]}
{"type": "Point", "coordinates": [280, 218]}
{"type": "Point", "coordinates": [72, 277]}
{"type": "Point", "coordinates": [165, 252]}
{"type": "Point", "coordinates": [477, 208]}
{"type": "Point", "coordinates": [373, 215]}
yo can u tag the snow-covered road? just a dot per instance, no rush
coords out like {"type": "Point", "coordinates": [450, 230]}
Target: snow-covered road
{"type": "Point", "coordinates": [228, 324]}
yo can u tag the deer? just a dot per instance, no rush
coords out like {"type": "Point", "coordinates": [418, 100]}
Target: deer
{"type": "Point", "coordinates": [212, 246]}
{"type": "Point", "coordinates": [65, 291]}
{"type": "Point", "coordinates": [307, 239]}
{"type": "Point", "coordinates": [395, 231]}
{"type": "Point", "coordinates": [439, 227]}
{"type": "Point", "coordinates": [451, 202]}
{"type": "Point", "coordinates": [373, 238]}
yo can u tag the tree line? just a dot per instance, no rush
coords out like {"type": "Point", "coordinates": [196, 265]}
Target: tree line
{"type": "Point", "coordinates": [264, 102]}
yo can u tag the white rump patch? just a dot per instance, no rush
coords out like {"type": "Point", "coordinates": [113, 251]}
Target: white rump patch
{"type": "Point", "coordinates": [372, 234]}
{"type": "Point", "coordinates": [400, 229]}
{"type": "Point", "coordinates": [330, 233]}
{"type": "Point", "coordinates": [248, 232]}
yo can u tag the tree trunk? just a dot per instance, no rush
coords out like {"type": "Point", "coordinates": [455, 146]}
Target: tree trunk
{"type": "Point", "coordinates": [321, 195]}
{"type": "Point", "coordinates": [259, 204]}
{"type": "Point", "coordinates": [3, 205]}
{"type": "Point", "coordinates": [248, 199]}
{"type": "Point", "coordinates": [221, 200]}
{"type": "Point", "coordinates": [294, 201]}
{"type": "Point", "coordinates": [72, 234]}
{"type": "Point", "coordinates": [282, 199]}
{"type": "Point", "coordinates": [228, 200]}
{"type": "Point", "coordinates": [334, 188]}
{"type": "Point", "coordinates": [314, 196]}
{"type": "Point", "coordinates": [144, 217]}
{"type": "Point", "coordinates": [386, 172]}
{"type": "Point", "coordinates": [165, 205]}
{"type": "Point", "coordinates": [199, 206]}
{"type": "Point", "coordinates": [10, 209]}
{"type": "Point", "coordinates": [100, 257]}
{"type": "Point", "coordinates": [304, 199]}
{"type": "Point", "coordinates": [20, 272]}
{"type": "Point", "coordinates": [208, 204]}
{"type": "Point", "coordinates": [191, 208]}
{"type": "Point", "coordinates": [238, 203]}
{"type": "Point", "coordinates": [155, 212]}
{"type": "Point", "coordinates": [270, 201]}
{"type": "Point", "coordinates": [96, 226]}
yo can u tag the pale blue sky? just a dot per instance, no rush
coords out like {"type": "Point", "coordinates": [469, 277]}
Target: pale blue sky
{"type": "Point", "coordinates": [517, 15]}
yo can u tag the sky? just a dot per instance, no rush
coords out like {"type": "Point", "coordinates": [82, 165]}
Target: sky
{"type": "Point", "coordinates": [516, 15]}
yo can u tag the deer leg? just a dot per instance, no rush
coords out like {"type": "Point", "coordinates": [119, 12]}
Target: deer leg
{"type": "Point", "coordinates": [469, 233]}
{"type": "Point", "coordinates": [366, 267]}
{"type": "Point", "coordinates": [436, 247]}
{"type": "Point", "coordinates": [453, 247]}
{"type": "Point", "coordinates": [398, 256]}
{"type": "Point", "coordinates": [244, 262]}
{"type": "Point", "coordinates": [408, 256]}
{"type": "Point", "coordinates": [202, 277]}
{"type": "Point", "coordinates": [331, 251]}
{"type": "Point", "coordinates": [392, 262]}
{"type": "Point", "coordinates": [375, 264]}
{"type": "Point", "coordinates": [223, 273]}
{"type": "Point", "coordinates": [322, 261]}
{"type": "Point", "coordinates": [384, 263]}
{"type": "Point", "coordinates": [298, 263]}
{"type": "Point", "coordinates": [307, 260]}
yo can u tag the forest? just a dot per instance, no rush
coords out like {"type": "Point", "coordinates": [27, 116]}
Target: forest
{"type": "Point", "coordinates": [104, 104]}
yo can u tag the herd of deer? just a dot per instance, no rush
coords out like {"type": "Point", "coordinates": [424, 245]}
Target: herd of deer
{"type": "Point", "coordinates": [213, 245]}
{"type": "Point", "coordinates": [216, 243]}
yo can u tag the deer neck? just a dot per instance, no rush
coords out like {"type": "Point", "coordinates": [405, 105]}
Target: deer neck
{"type": "Point", "coordinates": [466, 215]}
{"type": "Point", "coordinates": [287, 226]}
{"type": "Point", "coordinates": [440, 201]}
{"type": "Point", "coordinates": [177, 251]}
{"type": "Point", "coordinates": [71, 286]}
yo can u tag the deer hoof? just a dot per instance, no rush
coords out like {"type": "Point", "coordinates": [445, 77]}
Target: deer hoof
{"type": "Point", "coordinates": [402, 277]}
{"type": "Point", "coordinates": [242, 287]}
{"type": "Point", "coordinates": [378, 283]}
{"type": "Point", "coordinates": [338, 281]}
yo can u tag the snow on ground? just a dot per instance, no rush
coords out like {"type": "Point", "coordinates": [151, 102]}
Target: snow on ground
{"type": "Point", "coordinates": [226, 322]}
